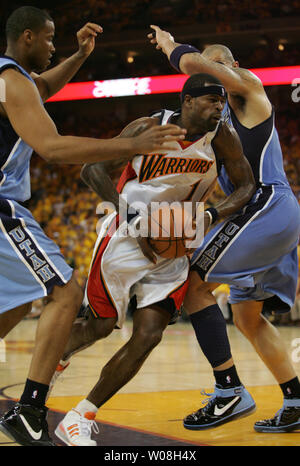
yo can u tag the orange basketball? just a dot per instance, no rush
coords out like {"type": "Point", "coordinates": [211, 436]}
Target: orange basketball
{"type": "Point", "coordinates": [170, 227]}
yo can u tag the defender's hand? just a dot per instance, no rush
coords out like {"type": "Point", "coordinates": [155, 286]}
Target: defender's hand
{"type": "Point", "coordinates": [160, 38]}
{"type": "Point", "coordinates": [86, 38]}
{"type": "Point", "coordinates": [158, 139]}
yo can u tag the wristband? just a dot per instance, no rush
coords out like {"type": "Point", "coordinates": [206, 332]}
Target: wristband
{"type": "Point", "coordinates": [178, 52]}
{"type": "Point", "coordinates": [213, 213]}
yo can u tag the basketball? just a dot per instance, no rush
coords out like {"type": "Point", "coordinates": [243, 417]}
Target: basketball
{"type": "Point", "coordinates": [170, 228]}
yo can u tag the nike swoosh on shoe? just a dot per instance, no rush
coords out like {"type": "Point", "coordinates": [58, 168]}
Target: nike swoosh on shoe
{"type": "Point", "coordinates": [220, 411]}
{"type": "Point", "coordinates": [34, 435]}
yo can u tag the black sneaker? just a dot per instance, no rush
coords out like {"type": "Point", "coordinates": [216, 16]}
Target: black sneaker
{"type": "Point", "coordinates": [224, 405]}
{"type": "Point", "coordinates": [26, 425]}
{"type": "Point", "coordinates": [286, 419]}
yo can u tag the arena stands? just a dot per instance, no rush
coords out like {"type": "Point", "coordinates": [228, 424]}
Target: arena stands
{"type": "Point", "coordinates": [138, 14]}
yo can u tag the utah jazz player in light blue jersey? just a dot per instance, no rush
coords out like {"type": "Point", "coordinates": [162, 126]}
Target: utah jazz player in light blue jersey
{"type": "Point", "coordinates": [31, 265]}
{"type": "Point", "coordinates": [255, 252]}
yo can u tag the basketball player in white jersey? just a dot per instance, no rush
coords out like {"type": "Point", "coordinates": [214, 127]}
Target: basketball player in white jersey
{"type": "Point", "coordinates": [120, 271]}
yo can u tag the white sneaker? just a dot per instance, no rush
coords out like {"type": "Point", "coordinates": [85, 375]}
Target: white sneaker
{"type": "Point", "coordinates": [58, 372]}
{"type": "Point", "coordinates": [75, 430]}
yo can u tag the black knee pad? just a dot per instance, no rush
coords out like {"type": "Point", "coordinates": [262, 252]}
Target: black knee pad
{"type": "Point", "coordinates": [211, 332]}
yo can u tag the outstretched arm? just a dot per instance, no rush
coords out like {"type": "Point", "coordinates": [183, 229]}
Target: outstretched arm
{"type": "Point", "coordinates": [236, 80]}
{"type": "Point", "coordinates": [240, 84]}
{"type": "Point", "coordinates": [33, 124]}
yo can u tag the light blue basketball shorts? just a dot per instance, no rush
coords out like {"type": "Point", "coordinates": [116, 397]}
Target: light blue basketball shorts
{"type": "Point", "coordinates": [30, 263]}
{"type": "Point", "coordinates": [255, 251]}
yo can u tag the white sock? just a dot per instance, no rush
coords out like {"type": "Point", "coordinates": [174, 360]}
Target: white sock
{"type": "Point", "coordinates": [85, 406]}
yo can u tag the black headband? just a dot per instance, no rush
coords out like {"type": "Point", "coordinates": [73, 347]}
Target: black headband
{"type": "Point", "coordinates": [204, 90]}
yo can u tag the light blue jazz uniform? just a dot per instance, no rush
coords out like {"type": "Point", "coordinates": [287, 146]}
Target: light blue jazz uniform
{"type": "Point", "coordinates": [30, 263]}
{"type": "Point", "coordinates": [255, 251]}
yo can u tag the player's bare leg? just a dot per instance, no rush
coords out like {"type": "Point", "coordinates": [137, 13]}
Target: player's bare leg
{"type": "Point", "coordinates": [265, 338]}
{"type": "Point", "coordinates": [148, 326]}
{"type": "Point", "coordinates": [199, 294]}
{"type": "Point", "coordinates": [9, 319]}
{"type": "Point", "coordinates": [230, 398]}
{"type": "Point", "coordinates": [85, 332]}
{"type": "Point", "coordinates": [270, 347]}
{"type": "Point", "coordinates": [53, 330]}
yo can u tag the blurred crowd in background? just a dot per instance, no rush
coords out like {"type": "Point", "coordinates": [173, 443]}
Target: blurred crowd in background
{"type": "Point", "coordinates": [122, 19]}
{"type": "Point", "coordinates": [138, 14]}
{"type": "Point", "coordinates": [63, 205]}
{"type": "Point", "coordinates": [118, 16]}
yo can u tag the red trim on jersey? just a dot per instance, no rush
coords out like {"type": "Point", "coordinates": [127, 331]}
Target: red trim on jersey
{"type": "Point", "coordinates": [128, 174]}
{"type": "Point", "coordinates": [184, 144]}
{"type": "Point", "coordinates": [179, 294]}
{"type": "Point", "coordinates": [99, 299]}
{"type": "Point", "coordinates": [98, 295]}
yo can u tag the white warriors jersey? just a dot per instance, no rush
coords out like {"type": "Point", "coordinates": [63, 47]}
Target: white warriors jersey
{"type": "Point", "coordinates": [187, 173]}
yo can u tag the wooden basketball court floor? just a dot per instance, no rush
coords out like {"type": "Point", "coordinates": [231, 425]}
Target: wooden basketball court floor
{"type": "Point", "coordinates": [149, 409]}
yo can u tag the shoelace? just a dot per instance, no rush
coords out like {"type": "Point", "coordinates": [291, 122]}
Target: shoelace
{"type": "Point", "coordinates": [85, 426]}
{"type": "Point", "coordinates": [279, 415]}
{"type": "Point", "coordinates": [89, 426]}
{"type": "Point", "coordinates": [208, 401]}
{"type": "Point", "coordinates": [204, 393]}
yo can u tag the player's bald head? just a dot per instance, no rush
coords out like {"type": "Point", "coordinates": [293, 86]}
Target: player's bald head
{"type": "Point", "coordinates": [219, 53]}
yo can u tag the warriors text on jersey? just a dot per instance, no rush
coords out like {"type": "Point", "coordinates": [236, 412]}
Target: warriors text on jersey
{"type": "Point", "coordinates": [187, 173]}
